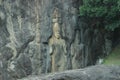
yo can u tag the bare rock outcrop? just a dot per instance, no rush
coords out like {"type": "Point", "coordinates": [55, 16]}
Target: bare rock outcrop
{"type": "Point", "coordinates": [99, 72]}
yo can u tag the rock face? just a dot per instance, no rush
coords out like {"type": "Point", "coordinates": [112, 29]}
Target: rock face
{"type": "Point", "coordinates": [42, 36]}
{"type": "Point", "coordinates": [91, 73]}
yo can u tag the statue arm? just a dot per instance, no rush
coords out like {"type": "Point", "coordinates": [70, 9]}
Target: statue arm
{"type": "Point", "coordinates": [50, 46]}
{"type": "Point", "coordinates": [65, 49]}
{"type": "Point", "coordinates": [50, 50]}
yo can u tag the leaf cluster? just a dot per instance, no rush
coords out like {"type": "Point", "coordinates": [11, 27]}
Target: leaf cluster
{"type": "Point", "coordinates": [104, 12]}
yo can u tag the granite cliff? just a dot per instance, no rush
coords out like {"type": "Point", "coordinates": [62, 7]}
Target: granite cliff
{"type": "Point", "coordinates": [44, 36]}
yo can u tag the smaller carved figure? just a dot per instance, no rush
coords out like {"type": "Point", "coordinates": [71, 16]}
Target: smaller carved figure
{"type": "Point", "coordinates": [33, 51]}
{"type": "Point", "coordinates": [77, 53]}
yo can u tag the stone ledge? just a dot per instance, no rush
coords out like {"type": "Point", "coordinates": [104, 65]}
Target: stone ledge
{"type": "Point", "coordinates": [98, 72]}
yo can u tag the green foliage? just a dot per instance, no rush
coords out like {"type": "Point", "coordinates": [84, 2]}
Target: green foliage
{"type": "Point", "coordinates": [119, 4]}
{"type": "Point", "coordinates": [113, 25]}
{"type": "Point", "coordinates": [114, 57]}
{"type": "Point", "coordinates": [93, 11]}
{"type": "Point", "coordinates": [104, 12]}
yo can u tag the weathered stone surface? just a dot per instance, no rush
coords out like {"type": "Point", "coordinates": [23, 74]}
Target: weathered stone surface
{"type": "Point", "coordinates": [99, 72]}
{"type": "Point", "coordinates": [21, 67]}
{"type": "Point", "coordinates": [57, 45]}
{"type": "Point", "coordinates": [27, 36]}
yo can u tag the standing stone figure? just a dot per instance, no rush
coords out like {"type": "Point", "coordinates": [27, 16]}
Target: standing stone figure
{"type": "Point", "coordinates": [57, 47]}
{"type": "Point", "coordinates": [77, 51]}
{"type": "Point", "coordinates": [34, 53]}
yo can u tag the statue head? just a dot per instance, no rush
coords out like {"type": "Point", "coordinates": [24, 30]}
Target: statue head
{"type": "Point", "coordinates": [56, 27]}
{"type": "Point", "coordinates": [56, 31]}
{"type": "Point", "coordinates": [56, 15]}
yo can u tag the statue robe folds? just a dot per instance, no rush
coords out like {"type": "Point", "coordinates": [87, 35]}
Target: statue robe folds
{"type": "Point", "coordinates": [58, 55]}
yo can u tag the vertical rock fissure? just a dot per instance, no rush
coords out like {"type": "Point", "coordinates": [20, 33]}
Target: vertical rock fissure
{"type": "Point", "coordinates": [11, 32]}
